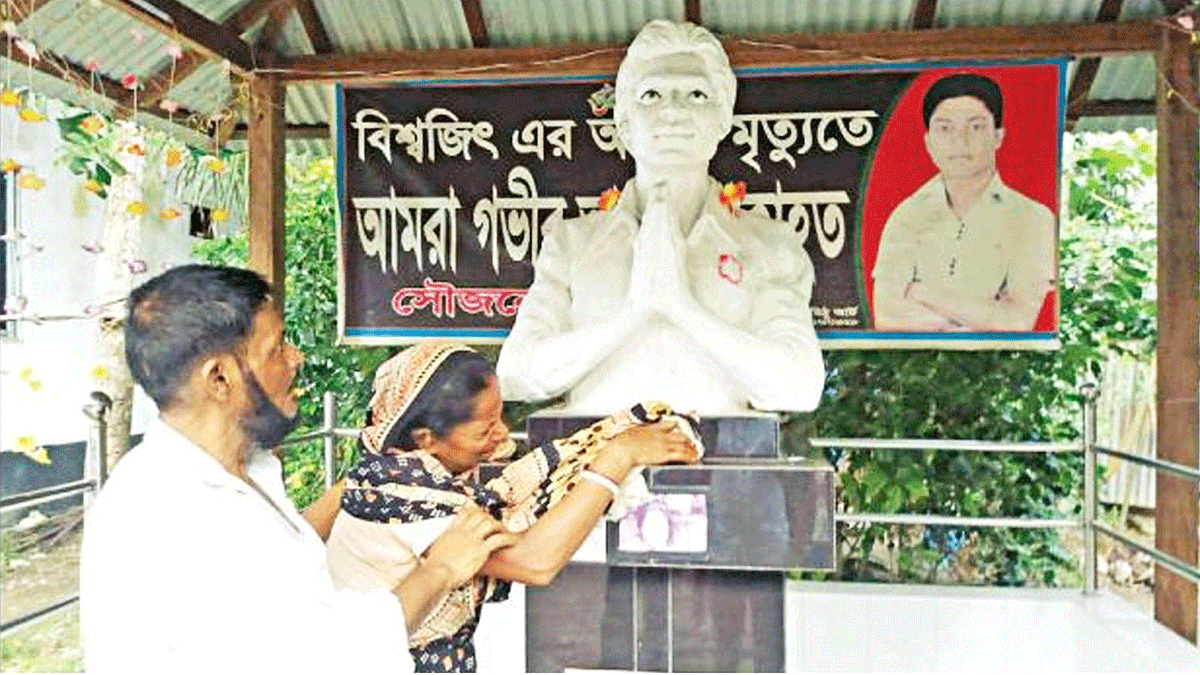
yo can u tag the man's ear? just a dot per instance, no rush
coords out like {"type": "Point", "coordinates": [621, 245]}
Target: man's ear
{"type": "Point", "coordinates": [423, 437]}
{"type": "Point", "coordinates": [215, 377]}
{"type": "Point", "coordinates": [999, 137]}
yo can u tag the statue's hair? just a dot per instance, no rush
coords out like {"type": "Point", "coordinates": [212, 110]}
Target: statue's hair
{"type": "Point", "coordinates": [660, 38]}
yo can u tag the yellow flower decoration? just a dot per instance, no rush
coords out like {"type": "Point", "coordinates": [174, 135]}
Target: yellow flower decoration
{"type": "Point", "coordinates": [26, 374]}
{"type": "Point", "coordinates": [174, 157]}
{"type": "Point", "coordinates": [92, 185]}
{"type": "Point", "coordinates": [35, 385]}
{"type": "Point", "coordinates": [219, 215]}
{"type": "Point", "coordinates": [30, 181]}
{"type": "Point", "coordinates": [31, 115]}
{"type": "Point", "coordinates": [136, 208]}
{"type": "Point", "coordinates": [10, 98]}
{"type": "Point", "coordinates": [215, 165]}
{"type": "Point", "coordinates": [169, 213]}
{"type": "Point", "coordinates": [99, 372]}
{"type": "Point", "coordinates": [135, 149]}
{"type": "Point", "coordinates": [28, 446]}
{"type": "Point", "coordinates": [9, 165]}
{"type": "Point", "coordinates": [92, 124]}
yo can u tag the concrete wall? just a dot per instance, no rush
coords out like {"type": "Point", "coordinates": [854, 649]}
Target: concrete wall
{"type": "Point", "coordinates": [51, 267]}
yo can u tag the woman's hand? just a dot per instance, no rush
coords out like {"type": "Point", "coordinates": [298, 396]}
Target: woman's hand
{"type": "Point", "coordinates": [658, 443]}
{"type": "Point", "coordinates": [466, 544]}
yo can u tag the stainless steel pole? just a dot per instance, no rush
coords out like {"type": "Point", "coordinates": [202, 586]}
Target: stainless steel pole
{"type": "Point", "coordinates": [1090, 393]}
{"type": "Point", "coordinates": [330, 439]}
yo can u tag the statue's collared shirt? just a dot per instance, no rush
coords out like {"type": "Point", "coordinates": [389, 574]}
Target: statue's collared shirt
{"type": "Point", "coordinates": [746, 270]}
{"type": "Point", "coordinates": [1005, 241]}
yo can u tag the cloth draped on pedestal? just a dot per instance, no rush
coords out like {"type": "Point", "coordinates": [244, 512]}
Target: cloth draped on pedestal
{"type": "Point", "coordinates": [391, 487]}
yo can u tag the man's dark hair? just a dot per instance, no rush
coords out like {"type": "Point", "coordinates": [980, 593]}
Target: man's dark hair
{"type": "Point", "coordinates": [185, 315]}
{"type": "Point", "coordinates": [446, 401]}
{"type": "Point", "coordinates": [966, 84]}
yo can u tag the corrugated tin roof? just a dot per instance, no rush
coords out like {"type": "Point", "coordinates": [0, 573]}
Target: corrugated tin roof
{"type": "Point", "coordinates": [82, 29]}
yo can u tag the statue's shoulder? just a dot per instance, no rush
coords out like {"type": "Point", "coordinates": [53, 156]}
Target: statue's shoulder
{"type": "Point", "coordinates": [757, 230]}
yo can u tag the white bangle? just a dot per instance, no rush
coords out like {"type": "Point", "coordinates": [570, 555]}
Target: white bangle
{"type": "Point", "coordinates": [601, 480]}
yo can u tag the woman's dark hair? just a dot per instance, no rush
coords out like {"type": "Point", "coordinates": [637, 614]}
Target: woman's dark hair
{"type": "Point", "coordinates": [965, 84]}
{"type": "Point", "coordinates": [185, 315]}
{"type": "Point", "coordinates": [446, 401]}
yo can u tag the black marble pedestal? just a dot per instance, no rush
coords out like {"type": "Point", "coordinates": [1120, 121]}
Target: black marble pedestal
{"type": "Point", "coordinates": [720, 609]}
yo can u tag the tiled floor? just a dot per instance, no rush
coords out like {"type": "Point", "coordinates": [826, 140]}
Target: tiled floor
{"type": "Point", "coordinates": [872, 628]}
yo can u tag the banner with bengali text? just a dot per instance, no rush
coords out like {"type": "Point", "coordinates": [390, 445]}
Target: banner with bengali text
{"type": "Point", "coordinates": [445, 187]}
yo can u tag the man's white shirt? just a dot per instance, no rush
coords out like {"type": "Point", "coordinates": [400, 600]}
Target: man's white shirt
{"type": "Point", "coordinates": [186, 567]}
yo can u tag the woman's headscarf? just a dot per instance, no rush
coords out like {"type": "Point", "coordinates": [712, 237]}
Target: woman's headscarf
{"type": "Point", "coordinates": [398, 383]}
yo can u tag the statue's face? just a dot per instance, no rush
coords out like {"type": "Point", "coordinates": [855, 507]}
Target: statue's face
{"type": "Point", "coordinates": [675, 116]}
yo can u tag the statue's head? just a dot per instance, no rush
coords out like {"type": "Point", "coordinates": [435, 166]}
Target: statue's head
{"type": "Point", "coordinates": [675, 76]}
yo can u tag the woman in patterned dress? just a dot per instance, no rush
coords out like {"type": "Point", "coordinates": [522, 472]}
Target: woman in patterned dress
{"type": "Point", "coordinates": [435, 415]}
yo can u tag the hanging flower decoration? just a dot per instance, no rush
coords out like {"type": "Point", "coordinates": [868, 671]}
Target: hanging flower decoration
{"type": "Point", "coordinates": [169, 213]}
{"type": "Point", "coordinates": [31, 181]}
{"type": "Point", "coordinates": [28, 446]}
{"type": "Point", "coordinates": [173, 158]}
{"type": "Point", "coordinates": [26, 374]}
{"type": "Point", "coordinates": [92, 185]}
{"type": "Point", "coordinates": [136, 34]}
{"type": "Point", "coordinates": [215, 165]}
{"type": "Point", "coordinates": [608, 198]}
{"type": "Point", "coordinates": [92, 64]}
{"type": "Point", "coordinates": [174, 51]}
{"type": "Point", "coordinates": [138, 266]}
{"type": "Point", "coordinates": [92, 124]}
{"type": "Point", "coordinates": [130, 81]}
{"type": "Point", "coordinates": [92, 247]}
{"type": "Point", "coordinates": [100, 372]}
{"type": "Point", "coordinates": [732, 194]}
{"type": "Point", "coordinates": [10, 98]}
{"type": "Point", "coordinates": [135, 149]}
{"type": "Point", "coordinates": [31, 115]}
{"type": "Point", "coordinates": [219, 215]}
{"type": "Point", "coordinates": [136, 208]}
{"type": "Point", "coordinates": [8, 28]}
{"type": "Point", "coordinates": [170, 105]}
{"type": "Point", "coordinates": [9, 165]}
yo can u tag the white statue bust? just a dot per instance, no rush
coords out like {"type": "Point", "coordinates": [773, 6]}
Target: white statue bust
{"type": "Point", "coordinates": [671, 295]}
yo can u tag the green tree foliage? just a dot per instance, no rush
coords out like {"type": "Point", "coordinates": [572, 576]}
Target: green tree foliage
{"type": "Point", "coordinates": [1106, 262]}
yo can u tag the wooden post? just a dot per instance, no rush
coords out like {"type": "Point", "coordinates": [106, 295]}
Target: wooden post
{"type": "Point", "coordinates": [266, 200]}
{"type": "Point", "coordinates": [1178, 326]}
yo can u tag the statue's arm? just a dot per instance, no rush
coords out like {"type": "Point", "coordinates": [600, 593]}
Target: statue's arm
{"type": "Point", "coordinates": [545, 354]}
{"type": "Point", "coordinates": [776, 359]}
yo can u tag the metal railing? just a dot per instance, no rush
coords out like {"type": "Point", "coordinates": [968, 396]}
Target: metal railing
{"type": "Point", "coordinates": [95, 474]}
{"type": "Point", "coordinates": [329, 433]}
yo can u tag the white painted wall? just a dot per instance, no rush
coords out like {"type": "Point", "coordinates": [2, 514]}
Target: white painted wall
{"type": "Point", "coordinates": [57, 275]}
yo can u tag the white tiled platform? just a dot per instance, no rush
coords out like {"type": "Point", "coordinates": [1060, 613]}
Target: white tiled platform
{"type": "Point", "coordinates": [874, 627]}
{"type": "Point", "coordinates": [840, 627]}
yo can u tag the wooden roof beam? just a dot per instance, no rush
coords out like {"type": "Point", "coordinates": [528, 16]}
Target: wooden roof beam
{"type": "Point", "coordinates": [317, 34]}
{"type": "Point", "coordinates": [473, 12]}
{"type": "Point", "coordinates": [922, 14]}
{"type": "Point", "coordinates": [691, 11]}
{"type": "Point", "coordinates": [1086, 70]}
{"type": "Point", "coordinates": [156, 87]}
{"type": "Point", "coordinates": [175, 20]}
{"type": "Point", "coordinates": [1085, 39]}
{"type": "Point", "coordinates": [1116, 107]}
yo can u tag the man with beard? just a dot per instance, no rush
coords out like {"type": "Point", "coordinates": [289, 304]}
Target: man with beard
{"type": "Point", "coordinates": [193, 556]}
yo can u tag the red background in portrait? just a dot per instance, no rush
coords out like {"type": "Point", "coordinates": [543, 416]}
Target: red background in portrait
{"type": "Point", "coordinates": [1027, 159]}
